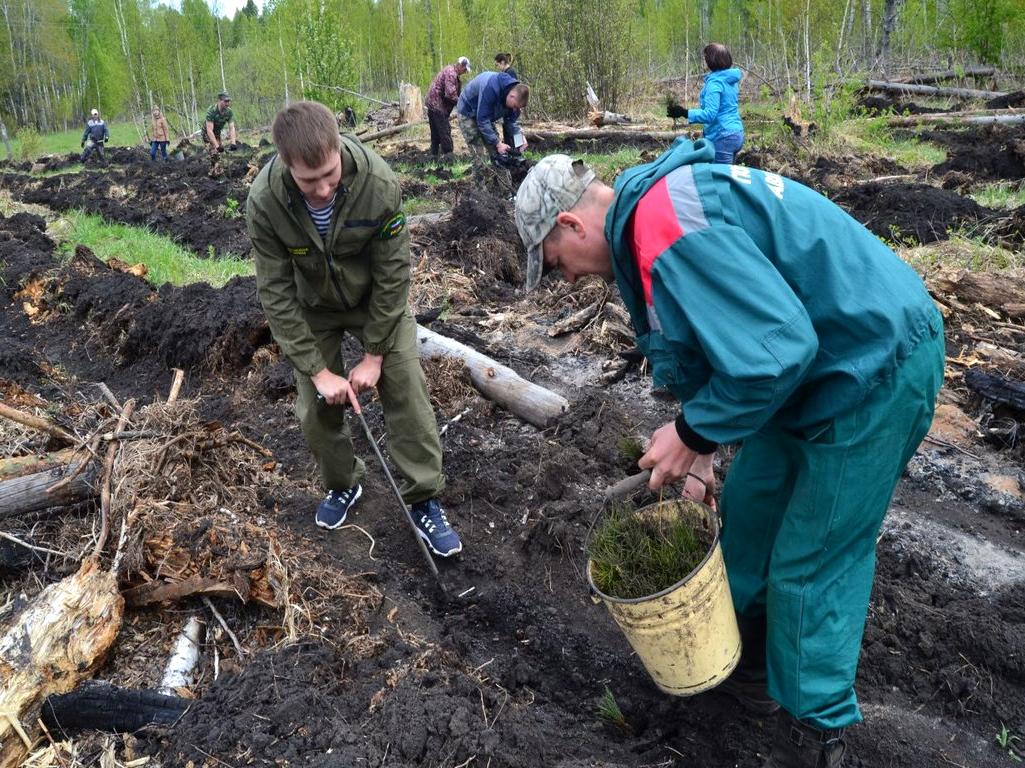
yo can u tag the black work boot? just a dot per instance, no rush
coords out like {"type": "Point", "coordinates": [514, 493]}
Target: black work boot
{"type": "Point", "coordinates": [797, 744]}
{"type": "Point", "coordinates": [747, 684]}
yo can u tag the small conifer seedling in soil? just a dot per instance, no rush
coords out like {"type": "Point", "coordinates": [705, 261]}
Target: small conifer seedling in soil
{"type": "Point", "coordinates": [635, 556]}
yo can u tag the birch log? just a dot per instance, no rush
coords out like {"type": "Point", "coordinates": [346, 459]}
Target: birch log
{"type": "Point", "coordinates": [532, 403]}
{"type": "Point", "coordinates": [930, 90]}
{"type": "Point", "coordinates": [57, 640]}
{"type": "Point", "coordinates": [957, 118]}
{"type": "Point", "coordinates": [31, 493]}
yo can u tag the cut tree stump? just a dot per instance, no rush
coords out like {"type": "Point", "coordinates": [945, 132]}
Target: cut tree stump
{"type": "Point", "coordinates": [30, 493]}
{"type": "Point", "coordinates": [51, 644]}
{"type": "Point", "coordinates": [411, 104]}
{"type": "Point", "coordinates": [100, 706]}
{"type": "Point", "coordinates": [531, 402]}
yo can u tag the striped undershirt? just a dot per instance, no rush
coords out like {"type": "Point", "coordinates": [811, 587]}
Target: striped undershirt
{"type": "Point", "coordinates": [321, 216]}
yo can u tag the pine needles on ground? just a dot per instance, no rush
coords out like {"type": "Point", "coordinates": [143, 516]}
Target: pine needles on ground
{"type": "Point", "coordinates": [635, 556]}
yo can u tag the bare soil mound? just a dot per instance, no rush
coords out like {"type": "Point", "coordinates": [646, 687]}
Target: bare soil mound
{"type": "Point", "coordinates": [988, 152]}
{"type": "Point", "coordinates": [479, 237]}
{"type": "Point", "coordinates": [910, 212]}
{"type": "Point", "coordinates": [177, 199]}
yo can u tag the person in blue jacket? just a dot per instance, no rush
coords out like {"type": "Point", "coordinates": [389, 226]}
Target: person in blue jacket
{"type": "Point", "coordinates": [719, 112]}
{"type": "Point", "coordinates": [488, 98]}
{"type": "Point", "coordinates": [781, 323]}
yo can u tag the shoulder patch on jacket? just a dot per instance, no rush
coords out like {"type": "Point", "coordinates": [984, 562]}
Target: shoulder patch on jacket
{"type": "Point", "coordinates": [393, 227]}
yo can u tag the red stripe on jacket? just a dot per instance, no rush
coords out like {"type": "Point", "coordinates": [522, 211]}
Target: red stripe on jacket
{"type": "Point", "coordinates": [653, 228]}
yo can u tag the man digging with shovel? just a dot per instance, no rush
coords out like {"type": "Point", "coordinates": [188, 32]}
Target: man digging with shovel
{"type": "Point", "coordinates": [332, 256]}
{"type": "Point", "coordinates": [779, 322]}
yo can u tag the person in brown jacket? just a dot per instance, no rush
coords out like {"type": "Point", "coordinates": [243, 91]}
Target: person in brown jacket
{"type": "Point", "coordinates": [442, 97]}
{"type": "Point", "coordinates": [159, 135]}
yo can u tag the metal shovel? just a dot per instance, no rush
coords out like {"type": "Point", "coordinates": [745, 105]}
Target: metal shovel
{"type": "Point", "coordinates": [398, 496]}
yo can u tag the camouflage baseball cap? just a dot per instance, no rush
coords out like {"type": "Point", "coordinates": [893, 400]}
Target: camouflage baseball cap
{"type": "Point", "coordinates": [554, 185]}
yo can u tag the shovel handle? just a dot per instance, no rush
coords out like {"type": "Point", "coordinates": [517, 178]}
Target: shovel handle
{"type": "Point", "coordinates": [398, 496]}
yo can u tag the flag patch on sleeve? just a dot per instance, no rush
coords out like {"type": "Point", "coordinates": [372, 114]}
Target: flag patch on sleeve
{"type": "Point", "coordinates": [393, 227]}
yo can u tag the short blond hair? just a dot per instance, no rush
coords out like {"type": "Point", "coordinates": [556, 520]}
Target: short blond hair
{"type": "Point", "coordinates": [522, 93]}
{"type": "Point", "coordinates": [306, 131]}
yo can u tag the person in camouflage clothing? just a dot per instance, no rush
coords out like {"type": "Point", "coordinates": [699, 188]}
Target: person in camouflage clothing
{"type": "Point", "coordinates": [331, 250]}
{"type": "Point", "coordinates": [217, 117]}
{"type": "Point", "coordinates": [441, 100]}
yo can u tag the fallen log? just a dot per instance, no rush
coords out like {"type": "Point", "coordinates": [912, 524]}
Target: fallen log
{"type": "Point", "coordinates": [178, 673]}
{"type": "Point", "coordinates": [931, 90]}
{"type": "Point", "coordinates": [99, 706]}
{"type": "Point", "coordinates": [55, 641]}
{"type": "Point", "coordinates": [31, 493]}
{"type": "Point", "coordinates": [577, 320]}
{"type": "Point", "coordinates": [1010, 117]}
{"type": "Point", "coordinates": [929, 78]}
{"type": "Point", "coordinates": [19, 466]}
{"type": "Point", "coordinates": [36, 422]}
{"type": "Point", "coordinates": [1001, 291]}
{"type": "Point", "coordinates": [391, 131]}
{"type": "Point", "coordinates": [602, 118]}
{"type": "Point", "coordinates": [532, 403]}
{"type": "Point", "coordinates": [601, 133]}
{"type": "Point", "coordinates": [996, 388]}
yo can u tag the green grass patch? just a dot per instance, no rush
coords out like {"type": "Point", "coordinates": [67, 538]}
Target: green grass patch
{"type": "Point", "coordinates": [962, 252]}
{"type": "Point", "coordinates": [606, 166]}
{"type": "Point", "coordinates": [166, 261]}
{"type": "Point", "coordinates": [415, 206]}
{"type": "Point", "coordinates": [62, 142]}
{"type": "Point", "coordinates": [874, 135]}
{"type": "Point", "coordinates": [1002, 195]}
{"type": "Point", "coordinates": [633, 556]}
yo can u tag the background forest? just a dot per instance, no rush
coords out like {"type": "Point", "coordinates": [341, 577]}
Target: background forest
{"type": "Point", "coordinates": [59, 58]}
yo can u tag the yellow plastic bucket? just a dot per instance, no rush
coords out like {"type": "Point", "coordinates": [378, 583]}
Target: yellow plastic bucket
{"type": "Point", "coordinates": [686, 636]}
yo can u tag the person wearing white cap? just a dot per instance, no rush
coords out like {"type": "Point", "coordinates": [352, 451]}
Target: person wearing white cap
{"type": "Point", "coordinates": [442, 97]}
{"type": "Point", "coordinates": [94, 136]}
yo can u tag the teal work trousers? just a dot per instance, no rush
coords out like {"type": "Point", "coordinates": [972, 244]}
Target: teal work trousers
{"type": "Point", "coordinates": [800, 522]}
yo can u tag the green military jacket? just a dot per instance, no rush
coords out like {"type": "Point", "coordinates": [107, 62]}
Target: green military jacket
{"type": "Point", "coordinates": [219, 119]}
{"type": "Point", "coordinates": [363, 264]}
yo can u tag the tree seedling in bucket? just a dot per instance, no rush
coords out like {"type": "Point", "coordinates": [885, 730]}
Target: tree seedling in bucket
{"type": "Point", "coordinates": [633, 556]}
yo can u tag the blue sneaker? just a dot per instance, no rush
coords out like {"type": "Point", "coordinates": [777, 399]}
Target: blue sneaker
{"type": "Point", "coordinates": [335, 506]}
{"type": "Point", "coordinates": [432, 526]}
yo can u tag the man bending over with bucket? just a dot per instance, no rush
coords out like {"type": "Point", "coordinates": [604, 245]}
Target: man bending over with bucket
{"type": "Point", "coordinates": [779, 322]}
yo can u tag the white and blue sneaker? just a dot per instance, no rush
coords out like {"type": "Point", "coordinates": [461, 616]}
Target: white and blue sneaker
{"type": "Point", "coordinates": [335, 506]}
{"type": "Point", "coordinates": [432, 526]}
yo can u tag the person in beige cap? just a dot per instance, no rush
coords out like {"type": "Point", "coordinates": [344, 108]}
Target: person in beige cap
{"type": "Point", "coordinates": [778, 321]}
